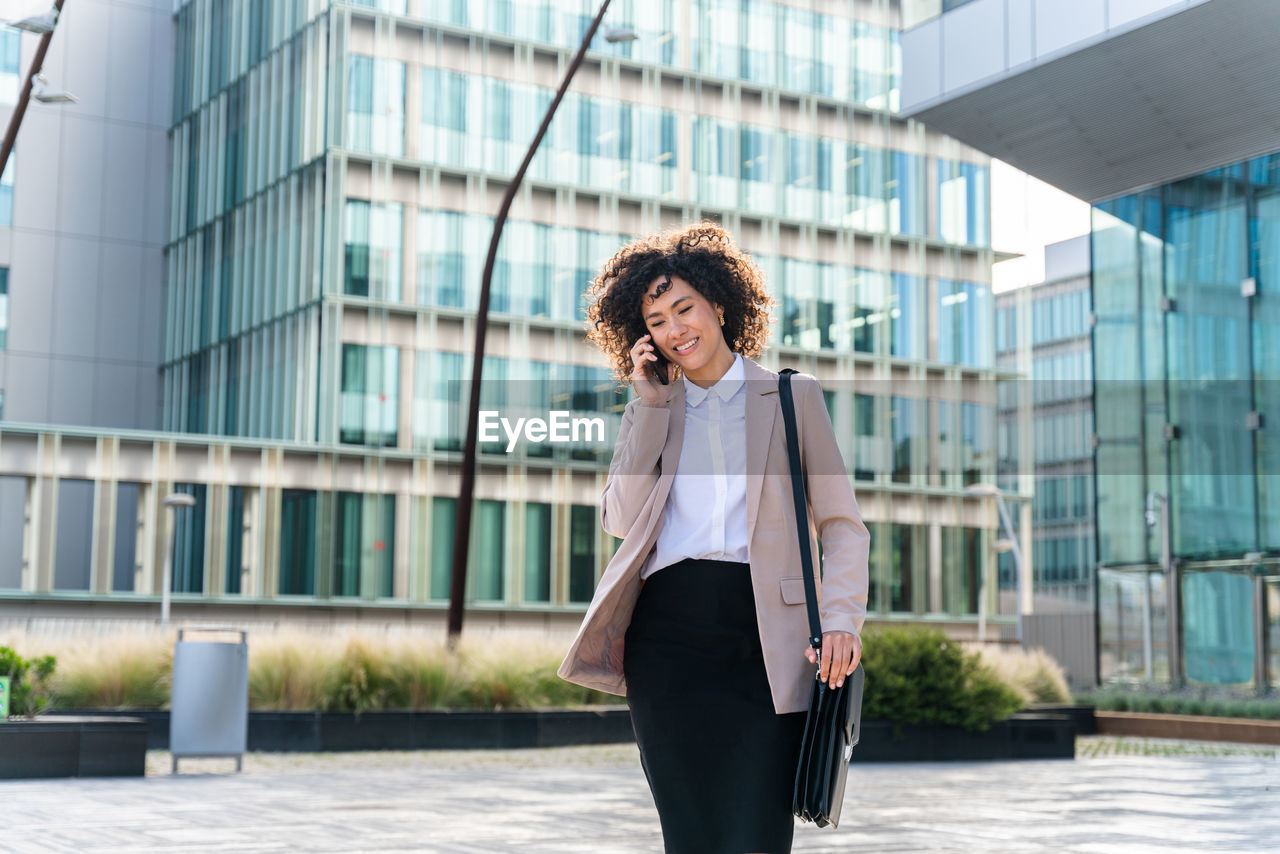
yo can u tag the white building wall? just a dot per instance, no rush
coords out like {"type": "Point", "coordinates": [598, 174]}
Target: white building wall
{"type": "Point", "coordinates": [988, 39]}
{"type": "Point", "coordinates": [90, 204]}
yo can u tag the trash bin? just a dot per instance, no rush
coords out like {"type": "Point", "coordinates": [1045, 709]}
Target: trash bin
{"type": "Point", "coordinates": [209, 705]}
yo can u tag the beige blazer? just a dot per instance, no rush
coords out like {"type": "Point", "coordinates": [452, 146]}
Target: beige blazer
{"type": "Point", "coordinates": [640, 477]}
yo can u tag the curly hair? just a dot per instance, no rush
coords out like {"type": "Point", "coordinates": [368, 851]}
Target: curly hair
{"type": "Point", "coordinates": [706, 257]}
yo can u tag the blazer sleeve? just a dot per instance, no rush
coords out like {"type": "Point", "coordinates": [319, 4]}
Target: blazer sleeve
{"type": "Point", "coordinates": [634, 470]}
{"type": "Point", "coordinates": [846, 544]}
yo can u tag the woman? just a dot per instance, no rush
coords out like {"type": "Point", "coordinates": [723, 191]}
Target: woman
{"type": "Point", "coordinates": [699, 618]}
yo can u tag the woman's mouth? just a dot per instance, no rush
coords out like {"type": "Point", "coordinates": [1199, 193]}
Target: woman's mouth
{"type": "Point", "coordinates": [687, 347]}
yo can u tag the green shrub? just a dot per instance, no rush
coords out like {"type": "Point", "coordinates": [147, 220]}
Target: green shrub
{"type": "Point", "coordinates": [28, 681]}
{"type": "Point", "coordinates": [920, 676]}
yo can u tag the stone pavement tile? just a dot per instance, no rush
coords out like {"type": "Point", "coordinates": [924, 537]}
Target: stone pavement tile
{"type": "Point", "coordinates": [564, 801]}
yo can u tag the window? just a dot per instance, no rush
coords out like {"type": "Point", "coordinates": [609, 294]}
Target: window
{"type": "Point", "coordinates": [582, 552]}
{"type": "Point", "coordinates": [447, 271]}
{"type": "Point", "coordinates": [485, 557]}
{"type": "Point", "coordinates": [375, 105]}
{"type": "Point", "coordinates": [298, 542]}
{"type": "Point", "coordinates": [364, 533]}
{"type": "Point", "coordinates": [965, 336]}
{"type": "Point", "coordinates": [537, 552]}
{"type": "Point", "coordinates": [867, 457]}
{"type": "Point", "coordinates": [962, 203]}
{"type": "Point", "coordinates": [370, 394]}
{"type": "Point", "coordinates": [10, 56]}
{"type": "Point", "coordinates": [448, 100]}
{"type": "Point", "coordinates": [905, 194]}
{"type": "Point", "coordinates": [395, 7]}
{"type": "Point", "coordinates": [910, 439]}
{"type": "Point", "coordinates": [906, 543]}
{"type": "Point", "coordinates": [373, 240]}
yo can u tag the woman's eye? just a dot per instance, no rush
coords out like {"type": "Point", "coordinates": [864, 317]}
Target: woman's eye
{"type": "Point", "coordinates": [686, 310]}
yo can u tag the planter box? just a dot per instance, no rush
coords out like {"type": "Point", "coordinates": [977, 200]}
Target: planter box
{"type": "Point", "coordinates": [310, 732]}
{"type": "Point", "coordinates": [1082, 716]}
{"type": "Point", "coordinates": [1242, 730]}
{"type": "Point", "coordinates": [1022, 736]}
{"type": "Point", "coordinates": [66, 746]}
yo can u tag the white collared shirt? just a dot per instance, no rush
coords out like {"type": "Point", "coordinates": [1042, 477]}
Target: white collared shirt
{"type": "Point", "coordinates": [706, 511]}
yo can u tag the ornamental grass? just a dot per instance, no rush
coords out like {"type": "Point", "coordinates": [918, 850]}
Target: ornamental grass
{"type": "Point", "coordinates": [1033, 673]}
{"type": "Point", "coordinates": [300, 671]}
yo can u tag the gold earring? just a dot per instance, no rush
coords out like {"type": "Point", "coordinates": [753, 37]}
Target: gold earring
{"type": "Point", "coordinates": [722, 320]}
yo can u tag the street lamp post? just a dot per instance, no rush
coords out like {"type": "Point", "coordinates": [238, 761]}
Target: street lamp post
{"type": "Point", "coordinates": [462, 529]}
{"type": "Point", "coordinates": [1000, 546]}
{"type": "Point", "coordinates": [44, 24]}
{"type": "Point", "coordinates": [1008, 543]}
{"type": "Point", "coordinates": [173, 501]}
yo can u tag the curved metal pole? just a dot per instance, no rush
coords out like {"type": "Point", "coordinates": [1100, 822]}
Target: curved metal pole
{"type": "Point", "coordinates": [24, 97]}
{"type": "Point", "coordinates": [462, 528]}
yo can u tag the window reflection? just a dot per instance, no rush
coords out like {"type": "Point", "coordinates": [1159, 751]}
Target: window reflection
{"type": "Point", "coordinates": [372, 249]}
{"type": "Point", "coordinates": [368, 410]}
{"type": "Point", "coordinates": [375, 105]}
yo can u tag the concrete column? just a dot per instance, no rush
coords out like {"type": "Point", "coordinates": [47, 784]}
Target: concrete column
{"type": "Point", "coordinates": [513, 571]}
{"type": "Point", "coordinates": [145, 566]}
{"type": "Point", "coordinates": [42, 515]}
{"type": "Point", "coordinates": [326, 522]}
{"type": "Point", "coordinates": [251, 547]}
{"type": "Point", "coordinates": [419, 537]}
{"type": "Point", "coordinates": [933, 590]}
{"type": "Point", "coordinates": [218, 500]}
{"type": "Point", "coordinates": [268, 540]}
{"type": "Point", "coordinates": [102, 551]}
{"type": "Point", "coordinates": [404, 398]}
{"type": "Point", "coordinates": [28, 581]}
{"type": "Point", "coordinates": [400, 582]}
{"type": "Point", "coordinates": [560, 537]}
{"type": "Point", "coordinates": [1025, 544]}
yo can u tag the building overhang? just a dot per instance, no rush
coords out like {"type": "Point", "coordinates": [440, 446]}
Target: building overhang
{"type": "Point", "coordinates": [1140, 103]}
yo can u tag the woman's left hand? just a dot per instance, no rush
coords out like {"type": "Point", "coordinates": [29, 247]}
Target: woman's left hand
{"type": "Point", "coordinates": [841, 652]}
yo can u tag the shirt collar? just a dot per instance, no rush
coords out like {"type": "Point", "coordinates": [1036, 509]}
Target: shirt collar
{"type": "Point", "coordinates": [725, 388]}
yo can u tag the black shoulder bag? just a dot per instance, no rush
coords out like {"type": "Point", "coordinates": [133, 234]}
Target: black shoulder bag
{"type": "Point", "coordinates": [831, 727]}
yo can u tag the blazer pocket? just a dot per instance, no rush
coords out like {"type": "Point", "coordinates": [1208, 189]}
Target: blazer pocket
{"type": "Point", "coordinates": [792, 590]}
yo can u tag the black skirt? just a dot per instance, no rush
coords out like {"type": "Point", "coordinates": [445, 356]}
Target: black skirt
{"type": "Point", "coordinates": [720, 762]}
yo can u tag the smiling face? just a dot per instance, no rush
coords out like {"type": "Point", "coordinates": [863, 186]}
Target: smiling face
{"type": "Point", "coordinates": [686, 329]}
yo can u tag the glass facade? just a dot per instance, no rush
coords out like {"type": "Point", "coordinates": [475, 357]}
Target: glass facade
{"type": "Point", "coordinates": [1045, 327]}
{"type": "Point", "coordinates": [336, 168]}
{"type": "Point", "coordinates": [1185, 361]}
{"type": "Point", "coordinates": [10, 64]}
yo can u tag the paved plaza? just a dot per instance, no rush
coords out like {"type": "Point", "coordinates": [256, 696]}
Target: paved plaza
{"type": "Point", "coordinates": [1117, 796]}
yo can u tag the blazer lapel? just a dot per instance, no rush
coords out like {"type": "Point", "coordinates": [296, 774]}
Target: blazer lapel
{"type": "Point", "coordinates": [761, 413]}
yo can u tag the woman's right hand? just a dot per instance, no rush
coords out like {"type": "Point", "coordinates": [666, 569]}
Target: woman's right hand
{"type": "Point", "coordinates": [642, 375]}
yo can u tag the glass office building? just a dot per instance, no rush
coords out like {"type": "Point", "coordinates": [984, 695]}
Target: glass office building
{"type": "Point", "coordinates": [1047, 324]}
{"type": "Point", "coordinates": [1187, 358]}
{"type": "Point", "coordinates": [335, 169]}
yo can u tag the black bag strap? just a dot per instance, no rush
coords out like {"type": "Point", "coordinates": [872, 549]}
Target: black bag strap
{"type": "Point", "coordinates": [802, 514]}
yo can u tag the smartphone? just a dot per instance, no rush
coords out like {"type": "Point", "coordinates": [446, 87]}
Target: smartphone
{"type": "Point", "coordinates": [661, 367]}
